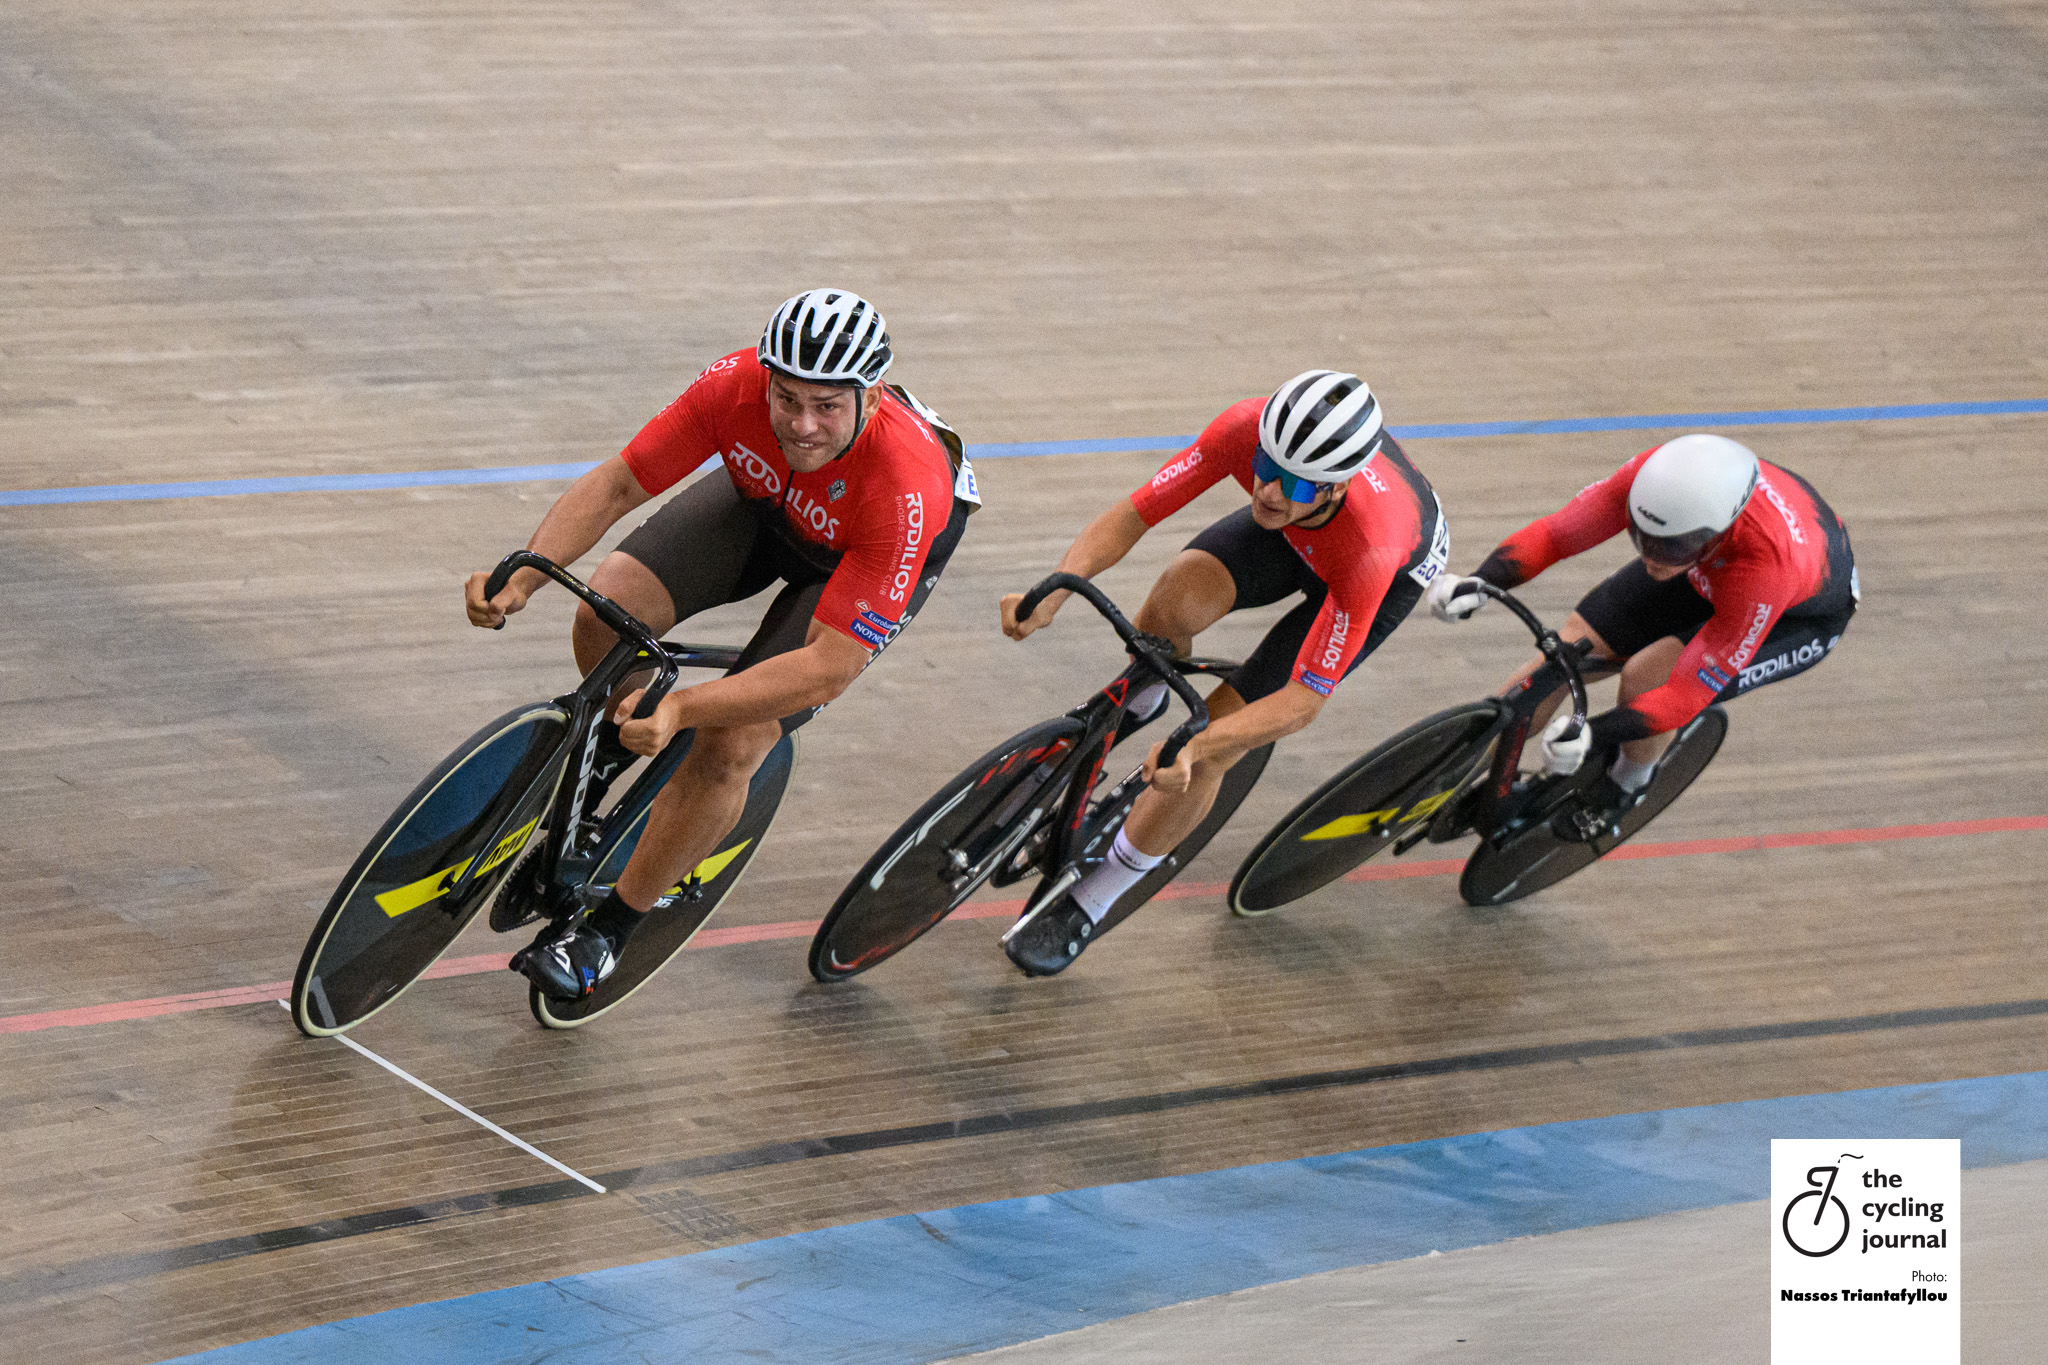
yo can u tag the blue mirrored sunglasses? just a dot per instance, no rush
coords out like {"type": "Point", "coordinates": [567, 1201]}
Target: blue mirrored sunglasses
{"type": "Point", "coordinates": [1294, 486]}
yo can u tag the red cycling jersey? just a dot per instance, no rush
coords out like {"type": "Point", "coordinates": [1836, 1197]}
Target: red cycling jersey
{"type": "Point", "coordinates": [868, 518]}
{"type": "Point", "coordinates": [1774, 557]}
{"type": "Point", "coordinates": [1377, 532]}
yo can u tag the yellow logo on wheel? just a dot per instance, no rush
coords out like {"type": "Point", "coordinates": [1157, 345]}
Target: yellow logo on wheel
{"type": "Point", "coordinates": [1376, 821]}
{"type": "Point", "coordinates": [708, 870]}
{"type": "Point", "coordinates": [402, 899]}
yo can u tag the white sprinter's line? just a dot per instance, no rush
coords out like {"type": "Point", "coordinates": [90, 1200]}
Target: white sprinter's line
{"type": "Point", "coordinates": [521, 1143]}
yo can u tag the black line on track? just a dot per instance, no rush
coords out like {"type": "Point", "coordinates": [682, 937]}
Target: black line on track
{"type": "Point", "coordinates": [99, 1271]}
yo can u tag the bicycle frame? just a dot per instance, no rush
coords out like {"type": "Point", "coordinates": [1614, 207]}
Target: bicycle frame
{"type": "Point", "coordinates": [569, 847]}
{"type": "Point", "coordinates": [1102, 714]}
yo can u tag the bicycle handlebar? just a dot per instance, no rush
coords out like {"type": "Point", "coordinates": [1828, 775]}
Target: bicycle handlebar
{"type": "Point", "coordinates": [623, 623]}
{"type": "Point", "coordinates": [1145, 647]}
{"type": "Point", "coordinates": [1554, 649]}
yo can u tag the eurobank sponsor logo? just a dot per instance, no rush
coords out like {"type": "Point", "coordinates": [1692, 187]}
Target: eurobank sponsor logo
{"type": "Point", "coordinates": [869, 633]}
{"type": "Point", "coordinates": [1714, 678]}
{"type": "Point", "coordinates": [1317, 683]}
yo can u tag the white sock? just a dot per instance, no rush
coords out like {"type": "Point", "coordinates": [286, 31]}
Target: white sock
{"type": "Point", "coordinates": [1149, 702]}
{"type": "Point", "coordinates": [1123, 869]}
{"type": "Point", "coordinates": [1631, 777]}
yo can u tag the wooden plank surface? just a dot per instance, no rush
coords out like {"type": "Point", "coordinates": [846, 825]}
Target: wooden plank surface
{"type": "Point", "coordinates": [243, 242]}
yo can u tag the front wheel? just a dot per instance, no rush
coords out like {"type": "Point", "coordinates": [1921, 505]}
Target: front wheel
{"type": "Point", "coordinates": [1536, 858]}
{"type": "Point", "coordinates": [943, 853]}
{"type": "Point", "coordinates": [1365, 808]}
{"type": "Point", "coordinates": [406, 898]}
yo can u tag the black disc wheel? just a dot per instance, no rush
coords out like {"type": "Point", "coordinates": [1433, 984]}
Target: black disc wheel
{"type": "Point", "coordinates": [1107, 816]}
{"type": "Point", "coordinates": [431, 867]}
{"type": "Point", "coordinates": [667, 929]}
{"type": "Point", "coordinates": [943, 853]}
{"type": "Point", "coordinates": [1534, 857]}
{"type": "Point", "coordinates": [1365, 808]}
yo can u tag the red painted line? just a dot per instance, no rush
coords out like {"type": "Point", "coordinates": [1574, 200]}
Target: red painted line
{"type": "Point", "coordinates": [785, 929]}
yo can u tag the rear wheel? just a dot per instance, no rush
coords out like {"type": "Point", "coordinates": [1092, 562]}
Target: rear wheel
{"type": "Point", "coordinates": [406, 897]}
{"type": "Point", "coordinates": [1536, 858]}
{"type": "Point", "coordinates": [667, 929]}
{"type": "Point", "coordinates": [943, 853]}
{"type": "Point", "coordinates": [1365, 808]}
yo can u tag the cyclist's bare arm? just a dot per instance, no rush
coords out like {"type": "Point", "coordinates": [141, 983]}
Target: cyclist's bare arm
{"type": "Point", "coordinates": [777, 687]}
{"type": "Point", "coordinates": [1235, 731]}
{"type": "Point", "coordinates": [1101, 544]}
{"type": "Point", "coordinates": [585, 511]}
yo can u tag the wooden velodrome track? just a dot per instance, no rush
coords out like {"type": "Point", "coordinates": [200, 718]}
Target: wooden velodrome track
{"type": "Point", "coordinates": [244, 242]}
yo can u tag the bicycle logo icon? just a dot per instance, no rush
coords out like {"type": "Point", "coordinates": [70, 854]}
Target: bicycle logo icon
{"type": "Point", "coordinates": [1823, 1233]}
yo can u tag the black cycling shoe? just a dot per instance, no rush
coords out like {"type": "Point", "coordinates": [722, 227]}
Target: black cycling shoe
{"type": "Point", "coordinates": [568, 966]}
{"type": "Point", "coordinates": [1056, 937]}
{"type": "Point", "coordinates": [1598, 812]}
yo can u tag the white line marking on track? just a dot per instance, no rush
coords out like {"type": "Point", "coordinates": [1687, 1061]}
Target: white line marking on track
{"type": "Point", "coordinates": [521, 1143]}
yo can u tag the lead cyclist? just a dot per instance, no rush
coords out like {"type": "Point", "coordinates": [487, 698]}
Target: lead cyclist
{"type": "Point", "coordinates": [1337, 514]}
{"type": "Point", "coordinates": [1728, 591]}
{"type": "Point", "coordinates": [846, 490]}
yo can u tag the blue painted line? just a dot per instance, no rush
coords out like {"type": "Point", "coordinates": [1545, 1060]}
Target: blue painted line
{"type": "Point", "coordinates": [332, 483]}
{"type": "Point", "coordinates": [925, 1287]}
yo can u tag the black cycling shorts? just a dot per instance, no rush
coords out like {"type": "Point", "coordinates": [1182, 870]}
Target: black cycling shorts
{"type": "Point", "coordinates": [1631, 611]}
{"type": "Point", "coordinates": [1265, 568]}
{"type": "Point", "coordinates": [709, 546]}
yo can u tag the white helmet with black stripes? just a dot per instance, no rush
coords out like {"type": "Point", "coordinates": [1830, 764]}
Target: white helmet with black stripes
{"type": "Point", "coordinates": [1322, 425]}
{"type": "Point", "coordinates": [827, 336]}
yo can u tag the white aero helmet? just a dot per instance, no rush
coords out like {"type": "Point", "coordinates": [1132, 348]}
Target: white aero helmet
{"type": "Point", "coordinates": [1687, 495]}
{"type": "Point", "coordinates": [827, 336]}
{"type": "Point", "coordinates": [1321, 426]}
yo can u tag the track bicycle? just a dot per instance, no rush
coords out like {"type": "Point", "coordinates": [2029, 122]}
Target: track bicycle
{"type": "Point", "coordinates": [1458, 772]}
{"type": "Point", "coordinates": [1035, 804]}
{"type": "Point", "coordinates": [518, 787]}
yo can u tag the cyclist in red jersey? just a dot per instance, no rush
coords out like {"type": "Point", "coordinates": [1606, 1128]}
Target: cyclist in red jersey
{"type": "Point", "coordinates": [1743, 577]}
{"type": "Point", "coordinates": [1338, 514]}
{"type": "Point", "coordinates": [848, 491]}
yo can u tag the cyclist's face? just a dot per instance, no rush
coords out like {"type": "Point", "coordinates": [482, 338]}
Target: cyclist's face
{"type": "Point", "coordinates": [1273, 509]}
{"type": "Point", "coordinates": [1663, 572]}
{"type": "Point", "coordinates": [813, 422]}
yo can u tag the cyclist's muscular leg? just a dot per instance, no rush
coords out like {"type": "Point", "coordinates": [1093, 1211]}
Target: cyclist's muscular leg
{"type": "Point", "coordinates": [1194, 593]}
{"type": "Point", "coordinates": [633, 586]}
{"type": "Point", "coordinates": [698, 808]}
{"type": "Point", "coordinates": [1160, 820]}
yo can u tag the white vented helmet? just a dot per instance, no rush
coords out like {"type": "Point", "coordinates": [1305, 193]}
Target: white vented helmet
{"type": "Point", "coordinates": [1687, 494]}
{"type": "Point", "coordinates": [1321, 425]}
{"type": "Point", "coordinates": [827, 336]}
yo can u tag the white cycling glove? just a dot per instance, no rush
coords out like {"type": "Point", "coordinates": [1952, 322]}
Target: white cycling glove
{"type": "Point", "coordinates": [1451, 598]}
{"type": "Point", "coordinates": [1562, 757]}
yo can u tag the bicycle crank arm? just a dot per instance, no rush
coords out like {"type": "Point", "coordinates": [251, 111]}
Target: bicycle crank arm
{"type": "Point", "coordinates": [1052, 893]}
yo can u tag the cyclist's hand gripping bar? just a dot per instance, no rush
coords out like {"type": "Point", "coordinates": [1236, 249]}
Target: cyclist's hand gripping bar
{"type": "Point", "coordinates": [623, 623]}
{"type": "Point", "coordinates": [1565, 656]}
{"type": "Point", "coordinates": [1144, 647]}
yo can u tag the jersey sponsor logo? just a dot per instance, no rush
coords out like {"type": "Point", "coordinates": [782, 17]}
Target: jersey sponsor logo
{"type": "Point", "coordinates": [964, 486]}
{"type": "Point", "coordinates": [1371, 476]}
{"type": "Point", "coordinates": [1789, 661]}
{"type": "Point", "coordinates": [875, 618]}
{"type": "Point", "coordinates": [1316, 682]}
{"type": "Point", "coordinates": [1333, 648]}
{"type": "Point", "coordinates": [753, 468]}
{"type": "Point", "coordinates": [913, 537]}
{"type": "Point", "coordinates": [877, 638]}
{"type": "Point", "coordinates": [836, 491]}
{"type": "Point", "coordinates": [1713, 677]}
{"type": "Point", "coordinates": [808, 511]}
{"type": "Point", "coordinates": [1784, 510]}
{"type": "Point", "coordinates": [731, 362]}
{"type": "Point", "coordinates": [1177, 468]}
{"type": "Point", "coordinates": [1756, 633]}
{"type": "Point", "coordinates": [1426, 572]}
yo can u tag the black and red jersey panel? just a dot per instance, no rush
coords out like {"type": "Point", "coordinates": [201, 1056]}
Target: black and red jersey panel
{"type": "Point", "coordinates": [868, 517]}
